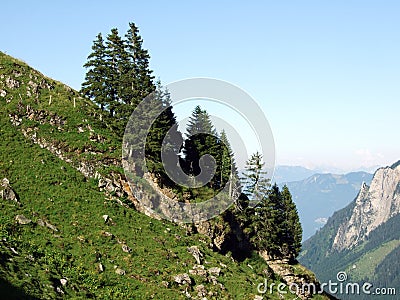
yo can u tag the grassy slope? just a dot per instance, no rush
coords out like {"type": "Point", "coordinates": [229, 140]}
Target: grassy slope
{"type": "Point", "coordinates": [51, 190]}
{"type": "Point", "coordinates": [367, 263]}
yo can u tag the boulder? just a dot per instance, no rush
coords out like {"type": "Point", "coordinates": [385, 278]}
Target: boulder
{"type": "Point", "coordinates": [214, 271]}
{"type": "Point", "coordinates": [6, 191]}
{"type": "Point", "coordinates": [22, 220]}
{"type": "Point", "coordinates": [120, 271]}
{"type": "Point", "coordinates": [126, 249]}
{"type": "Point", "coordinates": [183, 279]}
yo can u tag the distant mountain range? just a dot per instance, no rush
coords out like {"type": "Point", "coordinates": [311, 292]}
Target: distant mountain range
{"type": "Point", "coordinates": [362, 239]}
{"type": "Point", "coordinates": [319, 195]}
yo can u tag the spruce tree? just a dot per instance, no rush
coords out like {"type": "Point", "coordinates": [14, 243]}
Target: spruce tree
{"type": "Point", "coordinates": [292, 225]}
{"type": "Point", "coordinates": [116, 65]}
{"type": "Point", "coordinates": [165, 122]}
{"type": "Point", "coordinates": [96, 85]}
{"type": "Point", "coordinates": [201, 139]}
{"type": "Point", "coordinates": [254, 181]}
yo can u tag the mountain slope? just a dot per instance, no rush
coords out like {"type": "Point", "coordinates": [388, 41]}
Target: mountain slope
{"type": "Point", "coordinates": [319, 195]}
{"type": "Point", "coordinates": [363, 238]}
{"type": "Point", "coordinates": [68, 228]}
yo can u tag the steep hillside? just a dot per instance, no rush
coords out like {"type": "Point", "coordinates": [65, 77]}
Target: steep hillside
{"type": "Point", "coordinates": [363, 238]}
{"type": "Point", "coordinates": [69, 228]}
{"type": "Point", "coordinates": [319, 195]}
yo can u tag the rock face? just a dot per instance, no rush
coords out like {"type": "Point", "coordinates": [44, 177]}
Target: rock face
{"type": "Point", "coordinates": [374, 205]}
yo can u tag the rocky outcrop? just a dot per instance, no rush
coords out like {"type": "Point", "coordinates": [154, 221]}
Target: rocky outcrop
{"type": "Point", "coordinates": [293, 275]}
{"type": "Point", "coordinates": [374, 205]}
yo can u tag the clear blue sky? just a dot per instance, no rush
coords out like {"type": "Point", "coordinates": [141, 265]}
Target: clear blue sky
{"type": "Point", "coordinates": [326, 73]}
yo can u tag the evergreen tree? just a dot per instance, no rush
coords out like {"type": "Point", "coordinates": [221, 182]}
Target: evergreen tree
{"type": "Point", "coordinates": [116, 66]}
{"type": "Point", "coordinates": [165, 122]}
{"type": "Point", "coordinates": [292, 225]}
{"type": "Point", "coordinates": [201, 139]}
{"type": "Point", "coordinates": [254, 181]}
{"type": "Point", "coordinates": [118, 76]}
{"type": "Point", "coordinates": [95, 87]}
{"type": "Point", "coordinates": [139, 82]}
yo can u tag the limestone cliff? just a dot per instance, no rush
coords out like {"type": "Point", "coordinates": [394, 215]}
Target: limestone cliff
{"type": "Point", "coordinates": [374, 205]}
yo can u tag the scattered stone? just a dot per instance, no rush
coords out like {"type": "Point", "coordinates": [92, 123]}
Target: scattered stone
{"type": "Point", "coordinates": [258, 297]}
{"type": "Point", "coordinates": [108, 234]}
{"type": "Point", "coordinates": [165, 283]}
{"type": "Point", "coordinates": [120, 271]}
{"type": "Point", "coordinates": [126, 249]}
{"type": "Point", "coordinates": [63, 281]}
{"type": "Point", "coordinates": [101, 268]}
{"type": "Point", "coordinates": [12, 83]}
{"type": "Point", "coordinates": [198, 270]}
{"type": "Point", "coordinates": [213, 280]}
{"type": "Point", "coordinates": [22, 220]}
{"type": "Point", "coordinates": [214, 271]}
{"type": "Point", "coordinates": [3, 93]}
{"type": "Point", "coordinates": [223, 265]}
{"type": "Point", "coordinates": [183, 279]}
{"type": "Point", "coordinates": [59, 290]}
{"type": "Point", "coordinates": [40, 222]}
{"type": "Point", "coordinates": [51, 226]}
{"type": "Point", "coordinates": [106, 218]}
{"type": "Point", "coordinates": [194, 250]}
{"type": "Point", "coordinates": [201, 290]}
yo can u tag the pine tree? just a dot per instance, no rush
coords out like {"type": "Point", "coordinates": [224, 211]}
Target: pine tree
{"type": "Point", "coordinates": [96, 86]}
{"type": "Point", "coordinates": [165, 122]}
{"type": "Point", "coordinates": [292, 225]}
{"type": "Point", "coordinates": [254, 180]}
{"type": "Point", "coordinates": [116, 66]}
{"type": "Point", "coordinates": [119, 76]}
{"type": "Point", "coordinates": [201, 139]}
{"type": "Point", "coordinates": [139, 82]}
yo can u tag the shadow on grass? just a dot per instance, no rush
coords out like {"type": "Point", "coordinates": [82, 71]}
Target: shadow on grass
{"type": "Point", "coordinates": [10, 292]}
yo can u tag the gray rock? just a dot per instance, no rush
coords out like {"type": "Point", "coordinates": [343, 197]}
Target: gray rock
{"type": "Point", "coordinates": [106, 218]}
{"type": "Point", "coordinates": [6, 191]}
{"type": "Point", "coordinates": [63, 281]}
{"type": "Point", "coordinates": [194, 250]}
{"type": "Point", "coordinates": [3, 93]}
{"type": "Point", "coordinates": [40, 222]}
{"type": "Point", "coordinates": [213, 280]}
{"type": "Point", "coordinates": [201, 290]}
{"type": "Point", "coordinates": [183, 279]}
{"type": "Point", "coordinates": [22, 220]}
{"type": "Point", "coordinates": [120, 271]}
{"type": "Point", "coordinates": [12, 83]}
{"type": "Point", "coordinates": [126, 249]}
{"type": "Point", "coordinates": [214, 271]}
{"type": "Point", "coordinates": [101, 268]}
{"type": "Point", "coordinates": [51, 226]}
{"type": "Point", "coordinates": [165, 283]}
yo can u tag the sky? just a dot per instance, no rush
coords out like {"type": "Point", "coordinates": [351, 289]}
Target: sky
{"type": "Point", "coordinates": [325, 73]}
